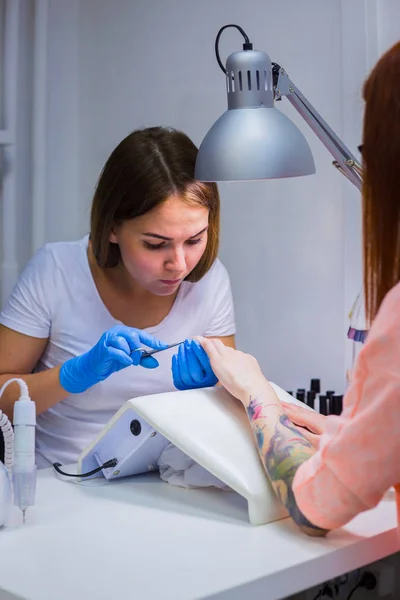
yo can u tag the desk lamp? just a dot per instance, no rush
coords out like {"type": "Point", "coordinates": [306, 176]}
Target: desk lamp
{"type": "Point", "coordinates": [253, 139]}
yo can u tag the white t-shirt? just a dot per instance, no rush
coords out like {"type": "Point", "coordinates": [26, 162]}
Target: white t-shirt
{"type": "Point", "coordinates": [56, 298]}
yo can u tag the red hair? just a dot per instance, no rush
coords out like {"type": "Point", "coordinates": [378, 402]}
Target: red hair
{"type": "Point", "coordinates": [381, 187]}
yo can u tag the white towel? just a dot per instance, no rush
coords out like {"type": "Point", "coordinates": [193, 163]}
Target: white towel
{"type": "Point", "coordinates": [176, 468]}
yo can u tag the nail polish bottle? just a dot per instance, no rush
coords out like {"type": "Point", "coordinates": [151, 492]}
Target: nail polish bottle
{"type": "Point", "coordinates": [311, 398]}
{"type": "Point", "coordinates": [329, 396]}
{"type": "Point", "coordinates": [315, 385]}
{"type": "Point", "coordinates": [301, 394]}
{"type": "Point", "coordinates": [323, 404]}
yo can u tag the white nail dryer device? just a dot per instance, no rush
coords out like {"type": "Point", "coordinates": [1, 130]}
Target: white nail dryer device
{"type": "Point", "coordinates": [209, 425]}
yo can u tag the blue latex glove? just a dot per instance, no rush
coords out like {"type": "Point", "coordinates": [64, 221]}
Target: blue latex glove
{"type": "Point", "coordinates": [191, 367]}
{"type": "Point", "coordinates": [113, 352]}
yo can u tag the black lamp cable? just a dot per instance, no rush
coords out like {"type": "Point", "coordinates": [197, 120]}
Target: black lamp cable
{"type": "Point", "coordinates": [107, 465]}
{"type": "Point", "coordinates": [246, 46]}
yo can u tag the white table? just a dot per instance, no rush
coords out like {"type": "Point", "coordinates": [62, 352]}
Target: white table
{"type": "Point", "coordinates": [140, 538]}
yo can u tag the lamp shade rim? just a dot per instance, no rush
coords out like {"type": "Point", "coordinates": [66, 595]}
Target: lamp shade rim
{"type": "Point", "coordinates": [253, 144]}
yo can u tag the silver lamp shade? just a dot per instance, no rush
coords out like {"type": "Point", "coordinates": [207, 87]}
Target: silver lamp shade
{"type": "Point", "coordinates": [252, 139]}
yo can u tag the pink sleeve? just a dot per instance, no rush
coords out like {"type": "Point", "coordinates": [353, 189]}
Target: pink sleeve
{"type": "Point", "coordinates": [359, 455]}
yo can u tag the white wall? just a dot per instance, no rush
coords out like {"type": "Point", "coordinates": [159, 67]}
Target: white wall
{"type": "Point", "coordinates": [388, 20]}
{"type": "Point", "coordinates": [24, 134]}
{"type": "Point", "coordinates": [64, 216]}
{"type": "Point", "coordinates": [292, 247]}
{"type": "Point", "coordinates": [16, 42]}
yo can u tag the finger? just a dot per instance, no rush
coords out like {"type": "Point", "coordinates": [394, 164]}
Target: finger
{"type": "Point", "coordinates": [311, 421]}
{"type": "Point", "coordinates": [209, 347]}
{"type": "Point", "coordinates": [149, 362]}
{"type": "Point", "coordinates": [202, 357]}
{"type": "Point", "coordinates": [291, 411]}
{"type": "Point", "coordinates": [119, 356]}
{"type": "Point", "coordinates": [184, 369]}
{"type": "Point", "coordinates": [137, 337]}
{"type": "Point", "coordinates": [301, 423]}
{"type": "Point", "coordinates": [195, 362]}
{"type": "Point", "coordinates": [292, 408]}
{"type": "Point", "coordinates": [309, 435]}
{"type": "Point", "coordinates": [297, 409]}
{"type": "Point", "coordinates": [119, 342]}
{"type": "Point", "coordinates": [131, 338]}
{"type": "Point", "coordinates": [312, 438]}
{"type": "Point", "coordinates": [176, 376]}
{"type": "Point", "coordinates": [220, 346]}
{"type": "Point", "coordinates": [150, 340]}
{"type": "Point", "coordinates": [136, 356]}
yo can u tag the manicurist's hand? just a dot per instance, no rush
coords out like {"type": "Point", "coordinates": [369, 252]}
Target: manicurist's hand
{"type": "Point", "coordinates": [191, 367]}
{"type": "Point", "coordinates": [116, 349]}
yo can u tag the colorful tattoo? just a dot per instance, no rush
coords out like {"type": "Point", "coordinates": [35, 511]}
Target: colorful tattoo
{"type": "Point", "coordinates": [283, 454]}
{"type": "Point", "coordinates": [255, 409]}
{"type": "Point", "coordinates": [259, 435]}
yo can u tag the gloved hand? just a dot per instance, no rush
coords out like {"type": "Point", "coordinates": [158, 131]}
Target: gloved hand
{"type": "Point", "coordinates": [191, 367]}
{"type": "Point", "coordinates": [114, 351]}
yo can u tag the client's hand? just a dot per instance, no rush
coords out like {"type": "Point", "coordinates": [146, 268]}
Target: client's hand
{"type": "Point", "coordinates": [310, 423]}
{"type": "Point", "coordinates": [239, 373]}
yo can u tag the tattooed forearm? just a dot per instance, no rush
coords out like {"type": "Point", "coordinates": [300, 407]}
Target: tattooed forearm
{"type": "Point", "coordinates": [283, 449]}
{"type": "Point", "coordinates": [288, 449]}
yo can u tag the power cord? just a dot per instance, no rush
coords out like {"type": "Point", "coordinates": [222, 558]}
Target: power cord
{"type": "Point", "coordinates": [328, 590]}
{"type": "Point", "coordinates": [246, 46]}
{"type": "Point", "coordinates": [107, 465]}
{"type": "Point", "coordinates": [367, 581]}
{"type": "Point", "coordinates": [331, 589]}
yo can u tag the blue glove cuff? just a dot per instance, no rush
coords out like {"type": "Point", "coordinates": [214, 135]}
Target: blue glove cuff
{"type": "Point", "coordinates": [72, 381]}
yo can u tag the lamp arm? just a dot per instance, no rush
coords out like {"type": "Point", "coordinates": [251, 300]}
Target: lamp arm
{"type": "Point", "coordinates": [344, 160]}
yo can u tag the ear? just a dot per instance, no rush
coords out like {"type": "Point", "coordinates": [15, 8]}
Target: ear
{"type": "Point", "coordinates": [113, 236]}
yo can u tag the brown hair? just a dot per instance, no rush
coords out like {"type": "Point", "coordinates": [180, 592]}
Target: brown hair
{"type": "Point", "coordinates": [381, 187]}
{"type": "Point", "coordinates": [147, 167]}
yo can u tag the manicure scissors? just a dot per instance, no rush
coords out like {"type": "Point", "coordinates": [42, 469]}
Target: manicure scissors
{"type": "Point", "coordinates": [147, 353]}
